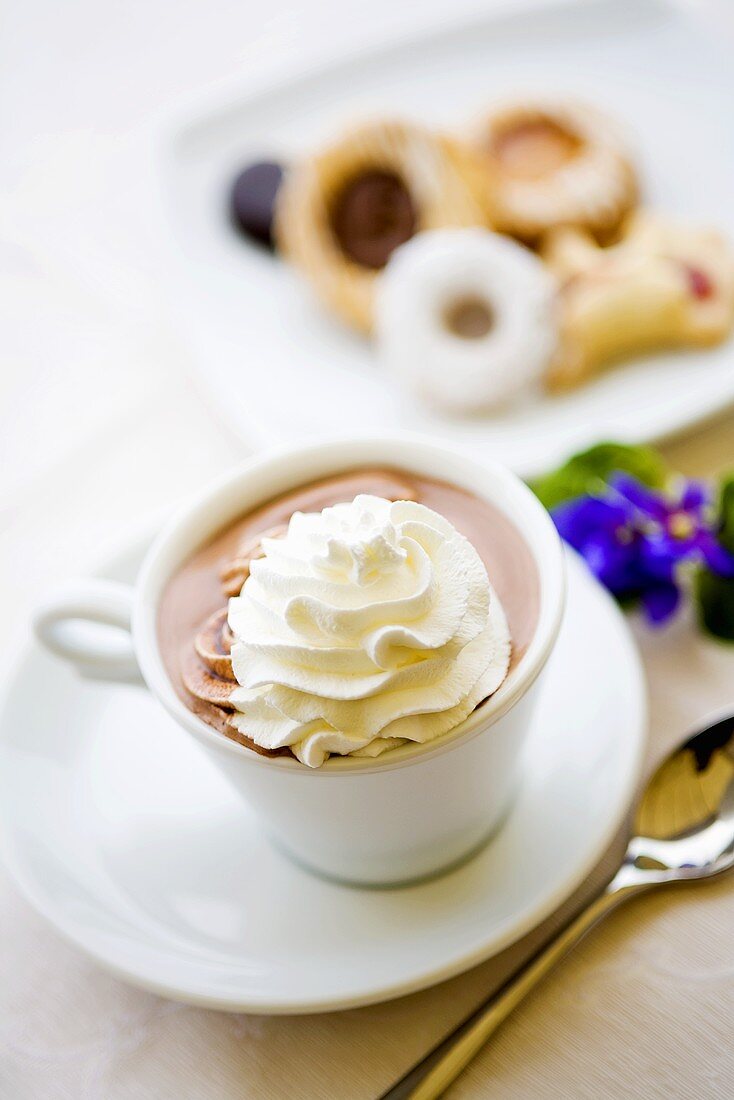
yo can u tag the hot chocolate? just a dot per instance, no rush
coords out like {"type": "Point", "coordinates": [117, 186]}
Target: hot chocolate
{"type": "Point", "coordinates": [387, 612]}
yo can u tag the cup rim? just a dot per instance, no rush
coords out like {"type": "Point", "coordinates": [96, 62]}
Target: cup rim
{"type": "Point", "coordinates": [401, 451]}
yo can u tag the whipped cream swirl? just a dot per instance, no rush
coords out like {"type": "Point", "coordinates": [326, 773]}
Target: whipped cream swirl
{"type": "Point", "coordinates": [366, 625]}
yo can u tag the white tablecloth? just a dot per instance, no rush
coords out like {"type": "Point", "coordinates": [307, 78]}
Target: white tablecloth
{"type": "Point", "coordinates": [102, 429]}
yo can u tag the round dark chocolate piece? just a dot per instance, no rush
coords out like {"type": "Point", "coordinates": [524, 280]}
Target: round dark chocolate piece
{"type": "Point", "coordinates": [371, 216]}
{"type": "Point", "coordinates": [252, 200]}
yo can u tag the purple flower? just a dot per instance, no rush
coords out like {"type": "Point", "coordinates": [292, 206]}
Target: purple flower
{"type": "Point", "coordinates": [639, 541]}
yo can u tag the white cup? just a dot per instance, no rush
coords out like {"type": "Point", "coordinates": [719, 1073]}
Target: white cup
{"type": "Point", "coordinates": [408, 814]}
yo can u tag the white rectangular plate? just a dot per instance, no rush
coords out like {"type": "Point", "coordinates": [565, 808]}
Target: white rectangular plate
{"type": "Point", "coordinates": [280, 368]}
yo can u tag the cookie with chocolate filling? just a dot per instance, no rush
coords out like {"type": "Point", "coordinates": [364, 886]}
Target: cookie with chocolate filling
{"type": "Point", "coordinates": [341, 213]}
{"type": "Point", "coordinates": [662, 285]}
{"type": "Point", "coordinates": [551, 164]}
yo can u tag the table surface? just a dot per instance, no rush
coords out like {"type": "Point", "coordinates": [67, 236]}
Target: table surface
{"type": "Point", "coordinates": [101, 430]}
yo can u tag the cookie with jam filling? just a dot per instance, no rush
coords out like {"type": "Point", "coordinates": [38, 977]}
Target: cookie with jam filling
{"type": "Point", "coordinates": [342, 212]}
{"type": "Point", "coordinates": [662, 284]}
{"type": "Point", "coordinates": [551, 164]}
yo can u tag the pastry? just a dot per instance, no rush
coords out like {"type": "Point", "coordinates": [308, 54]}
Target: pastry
{"type": "Point", "coordinates": [466, 318]}
{"type": "Point", "coordinates": [341, 213]}
{"type": "Point", "coordinates": [662, 285]}
{"type": "Point", "coordinates": [554, 163]}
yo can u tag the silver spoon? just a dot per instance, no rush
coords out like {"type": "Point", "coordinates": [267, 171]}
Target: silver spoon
{"type": "Point", "coordinates": [683, 832]}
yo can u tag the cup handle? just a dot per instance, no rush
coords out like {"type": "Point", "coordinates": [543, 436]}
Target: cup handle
{"type": "Point", "coordinates": [88, 623]}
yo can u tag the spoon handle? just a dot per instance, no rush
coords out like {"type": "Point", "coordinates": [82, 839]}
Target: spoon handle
{"type": "Point", "coordinates": [431, 1076]}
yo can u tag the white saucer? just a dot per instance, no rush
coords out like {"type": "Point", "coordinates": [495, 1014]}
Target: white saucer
{"type": "Point", "coordinates": [119, 831]}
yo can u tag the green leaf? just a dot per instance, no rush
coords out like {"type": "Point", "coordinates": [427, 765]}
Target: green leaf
{"type": "Point", "coordinates": [589, 471]}
{"type": "Point", "coordinates": [715, 600]}
{"type": "Point", "coordinates": [726, 513]}
{"type": "Point", "coordinates": [714, 594]}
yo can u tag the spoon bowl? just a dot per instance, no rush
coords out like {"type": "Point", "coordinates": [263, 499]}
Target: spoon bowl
{"type": "Point", "coordinates": [684, 823]}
